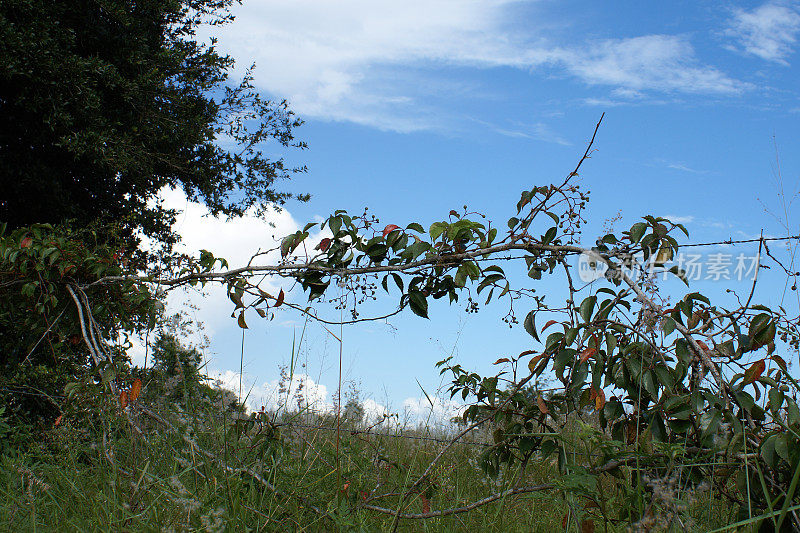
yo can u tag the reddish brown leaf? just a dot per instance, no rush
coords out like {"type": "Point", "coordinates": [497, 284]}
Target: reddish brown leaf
{"type": "Point", "coordinates": [549, 323]}
{"type": "Point", "coordinates": [26, 242]}
{"type": "Point", "coordinates": [754, 372]}
{"type": "Point", "coordinates": [58, 420]}
{"type": "Point", "coordinates": [703, 345]}
{"type": "Point", "coordinates": [123, 399]}
{"type": "Point", "coordinates": [136, 388]}
{"type": "Point", "coordinates": [587, 353]}
{"type": "Point", "coordinates": [599, 400]}
{"type": "Point", "coordinates": [240, 320]}
{"type": "Point", "coordinates": [388, 229]}
{"type": "Point", "coordinates": [279, 299]}
{"type": "Point", "coordinates": [261, 312]}
{"type": "Point", "coordinates": [324, 244]}
{"type": "Point", "coordinates": [502, 360]}
{"type": "Point", "coordinates": [426, 504]}
{"type": "Point", "coordinates": [532, 362]}
{"type": "Point", "coordinates": [526, 352]}
{"type": "Point", "coordinates": [542, 406]}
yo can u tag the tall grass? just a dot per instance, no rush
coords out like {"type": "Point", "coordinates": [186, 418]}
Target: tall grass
{"type": "Point", "coordinates": [209, 467]}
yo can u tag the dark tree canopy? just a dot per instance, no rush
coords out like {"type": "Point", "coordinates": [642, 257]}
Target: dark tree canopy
{"type": "Point", "coordinates": [104, 102]}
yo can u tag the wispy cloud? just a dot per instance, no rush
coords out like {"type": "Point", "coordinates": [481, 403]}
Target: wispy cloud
{"type": "Point", "coordinates": [538, 131]}
{"type": "Point", "coordinates": [676, 165]}
{"type": "Point", "coordinates": [664, 63]}
{"type": "Point", "coordinates": [373, 62]}
{"type": "Point", "coordinates": [768, 31]}
{"type": "Point", "coordinates": [677, 219]}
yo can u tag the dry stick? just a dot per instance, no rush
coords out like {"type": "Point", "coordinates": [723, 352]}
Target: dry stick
{"type": "Point", "coordinates": [85, 335]}
{"type": "Point", "coordinates": [288, 269]}
{"type": "Point", "coordinates": [471, 506]}
{"type": "Point", "coordinates": [611, 465]}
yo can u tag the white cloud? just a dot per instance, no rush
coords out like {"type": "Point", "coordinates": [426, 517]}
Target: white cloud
{"type": "Point", "coordinates": [277, 393]}
{"type": "Point", "coordinates": [368, 61]}
{"type": "Point", "coordinates": [663, 63]}
{"type": "Point", "coordinates": [769, 31]}
{"type": "Point", "coordinates": [431, 412]}
{"type": "Point", "coordinates": [236, 240]}
{"type": "Point", "coordinates": [687, 219]}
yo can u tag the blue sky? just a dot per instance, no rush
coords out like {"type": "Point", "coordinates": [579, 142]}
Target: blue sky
{"type": "Point", "coordinates": [414, 108]}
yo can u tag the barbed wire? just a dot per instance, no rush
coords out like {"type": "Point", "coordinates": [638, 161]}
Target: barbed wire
{"type": "Point", "coordinates": [729, 242]}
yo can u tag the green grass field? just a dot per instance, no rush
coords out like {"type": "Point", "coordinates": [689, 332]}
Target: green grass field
{"type": "Point", "coordinates": [205, 469]}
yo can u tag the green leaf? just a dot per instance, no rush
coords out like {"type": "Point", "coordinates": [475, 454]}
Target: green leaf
{"type": "Point", "coordinates": [665, 377]}
{"type": "Point", "coordinates": [398, 281]}
{"type": "Point", "coordinates": [530, 325]}
{"type": "Point", "coordinates": [418, 303]}
{"type": "Point", "coordinates": [709, 421]}
{"type": "Point", "coordinates": [782, 447]}
{"type": "Point", "coordinates": [768, 452]}
{"type": "Point", "coordinates": [637, 231]}
{"type": "Point", "coordinates": [668, 326]}
{"type": "Point", "coordinates": [792, 411]}
{"type": "Point", "coordinates": [416, 227]}
{"type": "Point", "coordinates": [587, 306]}
{"type": "Point", "coordinates": [437, 228]}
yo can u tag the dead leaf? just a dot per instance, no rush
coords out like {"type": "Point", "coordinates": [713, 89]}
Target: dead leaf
{"type": "Point", "coordinates": [542, 406]}
{"type": "Point", "coordinates": [136, 388]}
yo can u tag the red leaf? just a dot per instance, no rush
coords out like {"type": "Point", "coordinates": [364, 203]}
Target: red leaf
{"type": "Point", "coordinates": [26, 242]}
{"type": "Point", "coordinates": [502, 360]}
{"type": "Point", "coordinates": [58, 420]}
{"type": "Point", "coordinates": [279, 299]}
{"type": "Point", "coordinates": [388, 229]}
{"type": "Point", "coordinates": [754, 372]}
{"type": "Point", "coordinates": [587, 353]}
{"type": "Point", "coordinates": [123, 399]}
{"type": "Point", "coordinates": [549, 323]}
{"type": "Point", "coordinates": [324, 244]}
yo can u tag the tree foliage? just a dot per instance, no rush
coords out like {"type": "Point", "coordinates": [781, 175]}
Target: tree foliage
{"type": "Point", "coordinates": [104, 103]}
{"type": "Point", "coordinates": [54, 323]}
